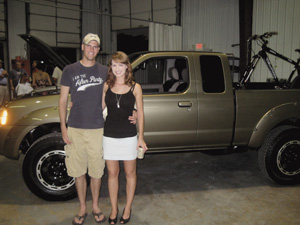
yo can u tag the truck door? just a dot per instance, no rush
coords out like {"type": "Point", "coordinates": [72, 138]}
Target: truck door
{"type": "Point", "coordinates": [215, 100]}
{"type": "Point", "coordinates": [170, 103]}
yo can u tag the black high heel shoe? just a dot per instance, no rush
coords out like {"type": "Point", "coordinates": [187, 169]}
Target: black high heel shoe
{"type": "Point", "coordinates": [115, 220]}
{"type": "Point", "coordinates": [122, 220]}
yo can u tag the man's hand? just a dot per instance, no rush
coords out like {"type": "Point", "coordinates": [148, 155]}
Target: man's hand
{"type": "Point", "coordinates": [133, 118]}
{"type": "Point", "coordinates": [4, 73]}
{"type": "Point", "coordinates": [64, 134]}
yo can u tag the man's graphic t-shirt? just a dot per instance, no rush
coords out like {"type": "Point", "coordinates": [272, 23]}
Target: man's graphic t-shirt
{"type": "Point", "coordinates": [86, 85]}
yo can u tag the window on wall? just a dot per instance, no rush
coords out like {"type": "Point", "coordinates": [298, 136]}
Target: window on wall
{"type": "Point", "coordinates": [128, 14]}
{"type": "Point", "coordinates": [159, 75]}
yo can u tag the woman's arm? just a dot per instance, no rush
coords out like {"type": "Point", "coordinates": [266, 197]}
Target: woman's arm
{"type": "Point", "coordinates": [48, 78]}
{"type": "Point", "coordinates": [140, 115]}
{"type": "Point", "coordinates": [33, 79]}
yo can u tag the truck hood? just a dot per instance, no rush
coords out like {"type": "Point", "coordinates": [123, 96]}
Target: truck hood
{"type": "Point", "coordinates": [43, 47]}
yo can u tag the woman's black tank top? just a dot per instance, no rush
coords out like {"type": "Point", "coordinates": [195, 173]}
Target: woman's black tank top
{"type": "Point", "coordinates": [117, 124]}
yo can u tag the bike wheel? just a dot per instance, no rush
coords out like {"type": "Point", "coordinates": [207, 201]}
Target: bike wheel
{"type": "Point", "coordinates": [295, 84]}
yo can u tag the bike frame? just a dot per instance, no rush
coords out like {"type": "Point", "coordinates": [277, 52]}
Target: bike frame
{"type": "Point", "coordinates": [263, 54]}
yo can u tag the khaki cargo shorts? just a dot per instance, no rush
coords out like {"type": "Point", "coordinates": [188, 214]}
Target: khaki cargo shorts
{"type": "Point", "coordinates": [85, 153]}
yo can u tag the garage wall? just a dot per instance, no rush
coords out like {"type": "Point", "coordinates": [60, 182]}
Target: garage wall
{"type": "Point", "coordinates": [17, 25]}
{"type": "Point", "coordinates": [126, 12]}
{"type": "Point", "coordinates": [2, 19]}
{"type": "Point", "coordinates": [96, 19]}
{"type": "Point", "coordinates": [282, 16]}
{"type": "Point", "coordinates": [56, 22]}
{"type": "Point", "coordinates": [214, 23]}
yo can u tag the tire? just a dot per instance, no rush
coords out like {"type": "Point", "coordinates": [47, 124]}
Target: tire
{"type": "Point", "coordinates": [279, 156]}
{"type": "Point", "coordinates": [44, 169]}
{"type": "Point", "coordinates": [296, 82]}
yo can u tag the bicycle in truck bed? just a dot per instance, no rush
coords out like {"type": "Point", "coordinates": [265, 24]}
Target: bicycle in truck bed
{"type": "Point", "coordinates": [292, 81]}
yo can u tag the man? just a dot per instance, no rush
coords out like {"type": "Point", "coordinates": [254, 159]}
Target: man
{"type": "Point", "coordinates": [15, 75]}
{"type": "Point", "coordinates": [84, 80]}
{"type": "Point", "coordinates": [4, 93]}
{"type": "Point", "coordinates": [56, 76]}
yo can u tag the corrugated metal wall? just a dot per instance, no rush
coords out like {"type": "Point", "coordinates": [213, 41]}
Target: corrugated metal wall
{"type": "Point", "coordinates": [56, 22]}
{"type": "Point", "coordinates": [282, 16]}
{"type": "Point", "coordinates": [16, 25]}
{"type": "Point", "coordinates": [214, 23]}
{"type": "Point", "coordinates": [98, 22]}
{"type": "Point", "coordinates": [2, 20]}
{"type": "Point", "coordinates": [130, 14]}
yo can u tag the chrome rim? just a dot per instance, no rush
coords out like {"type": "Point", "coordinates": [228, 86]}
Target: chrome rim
{"type": "Point", "coordinates": [52, 172]}
{"type": "Point", "coordinates": [288, 158]}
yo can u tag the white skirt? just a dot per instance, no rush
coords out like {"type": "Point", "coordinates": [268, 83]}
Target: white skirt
{"type": "Point", "coordinates": [119, 148]}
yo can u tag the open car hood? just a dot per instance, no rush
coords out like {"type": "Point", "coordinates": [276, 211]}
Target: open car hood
{"type": "Point", "coordinates": [45, 49]}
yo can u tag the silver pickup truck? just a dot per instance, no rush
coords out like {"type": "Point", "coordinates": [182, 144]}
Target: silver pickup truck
{"type": "Point", "coordinates": [190, 103]}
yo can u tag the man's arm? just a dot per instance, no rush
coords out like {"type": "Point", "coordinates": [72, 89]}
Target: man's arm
{"type": "Point", "coordinates": [63, 104]}
{"type": "Point", "coordinates": [105, 87]}
{"type": "Point", "coordinates": [24, 72]}
{"type": "Point", "coordinates": [4, 74]}
{"type": "Point", "coordinates": [11, 84]}
{"type": "Point", "coordinates": [55, 74]}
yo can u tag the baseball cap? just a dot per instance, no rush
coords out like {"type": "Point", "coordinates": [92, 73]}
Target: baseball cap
{"type": "Point", "coordinates": [90, 37]}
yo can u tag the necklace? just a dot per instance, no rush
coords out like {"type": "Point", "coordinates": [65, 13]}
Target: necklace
{"type": "Point", "coordinates": [118, 100]}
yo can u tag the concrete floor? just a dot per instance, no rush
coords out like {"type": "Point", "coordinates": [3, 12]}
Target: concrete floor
{"type": "Point", "coordinates": [178, 188]}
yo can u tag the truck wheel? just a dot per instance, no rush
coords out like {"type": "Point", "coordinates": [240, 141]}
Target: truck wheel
{"type": "Point", "coordinates": [44, 169]}
{"type": "Point", "coordinates": [279, 156]}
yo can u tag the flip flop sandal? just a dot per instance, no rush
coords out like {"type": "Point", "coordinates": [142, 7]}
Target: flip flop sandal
{"type": "Point", "coordinates": [79, 218]}
{"type": "Point", "coordinates": [99, 215]}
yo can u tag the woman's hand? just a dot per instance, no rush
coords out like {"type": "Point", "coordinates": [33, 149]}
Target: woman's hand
{"type": "Point", "coordinates": [142, 143]}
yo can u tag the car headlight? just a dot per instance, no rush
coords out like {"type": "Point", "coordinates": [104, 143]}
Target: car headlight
{"type": "Point", "coordinates": [3, 117]}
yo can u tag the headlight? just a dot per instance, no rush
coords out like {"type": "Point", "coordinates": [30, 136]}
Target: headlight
{"type": "Point", "coordinates": [3, 117]}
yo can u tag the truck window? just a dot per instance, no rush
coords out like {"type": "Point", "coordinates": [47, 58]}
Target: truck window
{"type": "Point", "coordinates": [212, 74]}
{"type": "Point", "coordinates": [162, 75]}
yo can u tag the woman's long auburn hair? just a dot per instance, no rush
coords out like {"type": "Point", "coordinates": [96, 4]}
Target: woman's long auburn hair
{"type": "Point", "coordinates": [120, 57]}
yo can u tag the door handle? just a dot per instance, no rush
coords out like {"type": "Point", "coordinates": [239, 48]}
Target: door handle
{"type": "Point", "coordinates": [185, 104]}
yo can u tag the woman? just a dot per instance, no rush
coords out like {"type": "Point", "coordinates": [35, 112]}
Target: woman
{"type": "Point", "coordinates": [120, 142]}
{"type": "Point", "coordinates": [40, 78]}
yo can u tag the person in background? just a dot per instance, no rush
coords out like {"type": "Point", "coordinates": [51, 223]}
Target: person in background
{"type": "Point", "coordinates": [83, 137]}
{"type": "Point", "coordinates": [4, 92]}
{"type": "Point", "coordinates": [14, 76]}
{"type": "Point", "coordinates": [24, 86]}
{"type": "Point", "coordinates": [41, 79]}
{"type": "Point", "coordinates": [33, 66]}
{"type": "Point", "coordinates": [120, 141]}
{"type": "Point", "coordinates": [56, 76]}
